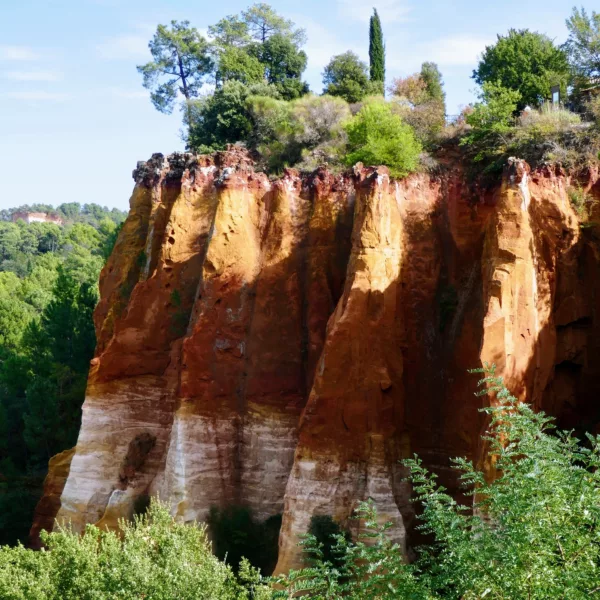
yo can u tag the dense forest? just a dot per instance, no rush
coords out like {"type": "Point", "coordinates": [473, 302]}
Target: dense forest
{"type": "Point", "coordinates": [48, 291]}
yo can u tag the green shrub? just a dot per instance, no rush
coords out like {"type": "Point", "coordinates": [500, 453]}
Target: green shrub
{"type": "Point", "coordinates": [581, 201]}
{"type": "Point", "coordinates": [306, 132]}
{"type": "Point", "coordinates": [550, 135]}
{"type": "Point", "coordinates": [531, 533]}
{"type": "Point", "coordinates": [592, 110]}
{"type": "Point", "coordinates": [426, 119]}
{"type": "Point", "coordinates": [152, 557]}
{"type": "Point", "coordinates": [377, 136]}
{"type": "Point", "coordinates": [223, 118]}
{"type": "Point", "coordinates": [490, 121]}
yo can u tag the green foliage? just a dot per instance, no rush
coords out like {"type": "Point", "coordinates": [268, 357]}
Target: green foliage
{"type": "Point", "coordinates": [346, 76]}
{"type": "Point", "coordinates": [180, 64]}
{"type": "Point", "coordinates": [48, 290]}
{"type": "Point", "coordinates": [583, 45]}
{"type": "Point", "coordinates": [581, 201]}
{"type": "Point", "coordinates": [530, 532]}
{"type": "Point", "coordinates": [550, 135]}
{"type": "Point", "coordinates": [377, 136]}
{"type": "Point", "coordinates": [306, 132]}
{"type": "Point", "coordinates": [372, 568]}
{"type": "Point", "coordinates": [420, 101]}
{"type": "Point", "coordinates": [326, 533]}
{"type": "Point", "coordinates": [431, 76]}
{"type": "Point", "coordinates": [70, 212]}
{"type": "Point", "coordinates": [491, 120]}
{"type": "Point", "coordinates": [256, 53]}
{"type": "Point", "coordinates": [260, 46]}
{"type": "Point", "coordinates": [284, 64]}
{"type": "Point", "coordinates": [236, 535]}
{"type": "Point", "coordinates": [525, 62]}
{"type": "Point", "coordinates": [237, 64]}
{"type": "Point", "coordinates": [376, 51]}
{"type": "Point", "coordinates": [152, 557]}
{"type": "Point", "coordinates": [592, 110]}
{"type": "Point", "coordinates": [263, 23]}
{"type": "Point", "coordinates": [219, 119]}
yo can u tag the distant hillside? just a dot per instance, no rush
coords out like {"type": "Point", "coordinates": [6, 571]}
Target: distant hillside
{"type": "Point", "coordinates": [48, 290]}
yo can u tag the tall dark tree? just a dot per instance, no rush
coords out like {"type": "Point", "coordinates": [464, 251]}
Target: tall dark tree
{"type": "Point", "coordinates": [284, 64]}
{"type": "Point", "coordinates": [376, 50]}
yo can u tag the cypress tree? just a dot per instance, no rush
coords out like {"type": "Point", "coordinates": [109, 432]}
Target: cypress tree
{"type": "Point", "coordinates": [376, 49]}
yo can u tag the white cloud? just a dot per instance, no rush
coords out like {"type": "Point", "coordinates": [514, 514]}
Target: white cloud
{"type": "Point", "coordinates": [33, 75]}
{"type": "Point", "coordinates": [124, 47]}
{"type": "Point", "coordinates": [18, 53]}
{"type": "Point", "coordinates": [391, 11]}
{"type": "Point", "coordinates": [37, 96]}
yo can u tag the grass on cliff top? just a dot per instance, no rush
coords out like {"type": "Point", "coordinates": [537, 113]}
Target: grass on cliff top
{"type": "Point", "coordinates": [489, 134]}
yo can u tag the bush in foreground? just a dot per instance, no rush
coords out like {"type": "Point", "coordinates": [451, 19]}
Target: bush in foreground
{"type": "Point", "coordinates": [531, 533]}
{"type": "Point", "coordinates": [153, 558]}
{"type": "Point", "coordinates": [534, 533]}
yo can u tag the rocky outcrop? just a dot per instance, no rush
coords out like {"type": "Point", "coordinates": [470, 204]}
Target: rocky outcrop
{"type": "Point", "coordinates": [282, 344]}
{"type": "Point", "coordinates": [49, 504]}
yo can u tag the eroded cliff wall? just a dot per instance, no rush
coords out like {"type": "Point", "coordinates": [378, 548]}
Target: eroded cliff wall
{"type": "Point", "coordinates": [283, 344]}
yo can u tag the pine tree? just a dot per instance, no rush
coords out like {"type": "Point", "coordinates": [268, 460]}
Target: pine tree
{"type": "Point", "coordinates": [376, 50]}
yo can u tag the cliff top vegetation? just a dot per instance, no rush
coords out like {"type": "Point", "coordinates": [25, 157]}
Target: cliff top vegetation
{"type": "Point", "coordinates": [242, 84]}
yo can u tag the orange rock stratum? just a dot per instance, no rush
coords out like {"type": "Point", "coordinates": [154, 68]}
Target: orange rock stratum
{"type": "Point", "coordinates": [282, 344]}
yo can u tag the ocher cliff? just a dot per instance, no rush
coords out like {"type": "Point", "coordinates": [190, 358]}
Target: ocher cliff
{"type": "Point", "coordinates": [282, 344]}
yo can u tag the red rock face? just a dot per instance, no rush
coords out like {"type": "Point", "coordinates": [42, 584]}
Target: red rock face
{"type": "Point", "coordinates": [283, 344]}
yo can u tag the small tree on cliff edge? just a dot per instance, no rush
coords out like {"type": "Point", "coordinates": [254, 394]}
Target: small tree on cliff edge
{"type": "Point", "coordinates": [376, 50]}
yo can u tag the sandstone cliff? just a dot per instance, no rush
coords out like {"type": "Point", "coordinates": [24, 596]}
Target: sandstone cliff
{"type": "Point", "coordinates": [282, 344]}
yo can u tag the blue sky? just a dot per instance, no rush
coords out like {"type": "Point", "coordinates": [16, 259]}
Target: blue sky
{"type": "Point", "coordinates": [74, 118]}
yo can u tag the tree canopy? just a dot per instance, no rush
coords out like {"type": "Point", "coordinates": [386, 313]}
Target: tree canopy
{"type": "Point", "coordinates": [346, 76]}
{"type": "Point", "coordinates": [434, 86]}
{"type": "Point", "coordinates": [527, 62]}
{"type": "Point", "coordinates": [263, 22]}
{"type": "Point", "coordinates": [583, 45]}
{"type": "Point", "coordinates": [181, 63]}
{"type": "Point", "coordinates": [48, 290]}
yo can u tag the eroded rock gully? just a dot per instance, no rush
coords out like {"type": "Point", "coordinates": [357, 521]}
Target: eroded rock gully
{"type": "Point", "coordinates": [282, 344]}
